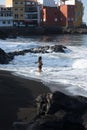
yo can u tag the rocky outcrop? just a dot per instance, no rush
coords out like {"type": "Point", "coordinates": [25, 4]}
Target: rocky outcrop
{"type": "Point", "coordinates": [41, 49]}
{"type": "Point", "coordinates": [65, 113]}
{"type": "Point", "coordinates": [6, 57]}
{"type": "Point", "coordinates": [3, 35]}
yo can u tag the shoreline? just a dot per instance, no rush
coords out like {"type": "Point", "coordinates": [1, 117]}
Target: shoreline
{"type": "Point", "coordinates": [14, 32]}
{"type": "Point", "coordinates": [17, 98]}
{"type": "Point", "coordinates": [61, 87]}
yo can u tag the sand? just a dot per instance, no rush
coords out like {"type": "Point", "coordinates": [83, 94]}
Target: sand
{"type": "Point", "coordinates": [17, 99]}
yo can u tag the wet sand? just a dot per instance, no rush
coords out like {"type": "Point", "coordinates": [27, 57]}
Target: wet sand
{"type": "Point", "coordinates": [17, 98]}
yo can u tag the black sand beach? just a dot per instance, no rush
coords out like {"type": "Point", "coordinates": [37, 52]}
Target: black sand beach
{"type": "Point", "coordinates": [17, 99]}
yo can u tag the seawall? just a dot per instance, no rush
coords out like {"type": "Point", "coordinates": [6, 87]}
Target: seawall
{"type": "Point", "coordinates": [13, 32]}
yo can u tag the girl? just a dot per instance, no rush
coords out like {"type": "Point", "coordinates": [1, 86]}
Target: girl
{"type": "Point", "coordinates": [40, 64]}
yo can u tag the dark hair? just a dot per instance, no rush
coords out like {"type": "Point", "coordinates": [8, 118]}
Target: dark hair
{"type": "Point", "coordinates": [39, 58]}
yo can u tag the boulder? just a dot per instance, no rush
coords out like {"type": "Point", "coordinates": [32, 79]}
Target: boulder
{"type": "Point", "coordinates": [65, 113]}
{"type": "Point", "coordinates": [41, 49]}
{"type": "Point", "coordinates": [4, 57]}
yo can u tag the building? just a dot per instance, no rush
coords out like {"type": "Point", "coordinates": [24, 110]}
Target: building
{"type": "Point", "coordinates": [78, 13]}
{"type": "Point", "coordinates": [67, 15]}
{"type": "Point", "coordinates": [50, 16]}
{"type": "Point", "coordinates": [49, 3]}
{"type": "Point", "coordinates": [66, 2]}
{"type": "Point", "coordinates": [8, 3]}
{"type": "Point", "coordinates": [18, 12]}
{"type": "Point", "coordinates": [26, 13]}
{"type": "Point", "coordinates": [32, 13]}
{"type": "Point", "coordinates": [71, 13]}
{"type": "Point", "coordinates": [6, 17]}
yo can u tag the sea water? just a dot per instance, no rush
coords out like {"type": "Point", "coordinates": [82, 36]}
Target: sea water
{"type": "Point", "coordinates": [68, 68]}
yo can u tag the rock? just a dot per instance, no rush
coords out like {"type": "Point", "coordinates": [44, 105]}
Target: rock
{"type": "Point", "coordinates": [41, 49]}
{"type": "Point", "coordinates": [3, 35]}
{"type": "Point", "coordinates": [4, 57]}
{"type": "Point", "coordinates": [43, 103]}
{"type": "Point", "coordinates": [65, 113]}
{"type": "Point", "coordinates": [58, 48]}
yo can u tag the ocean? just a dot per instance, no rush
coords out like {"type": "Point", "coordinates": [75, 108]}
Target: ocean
{"type": "Point", "coordinates": [69, 69]}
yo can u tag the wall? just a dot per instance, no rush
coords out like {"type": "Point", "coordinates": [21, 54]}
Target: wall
{"type": "Point", "coordinates": [67, 15]}
{"type": "Point", "coordinates": [50, 16]}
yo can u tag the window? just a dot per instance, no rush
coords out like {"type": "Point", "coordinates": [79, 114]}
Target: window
{"type": "Point", "coordinates": [16, 9]}
{"type": "Point", "coordinates": [4, 22]}
{"type": "Point", "coordinates": [31, 9]}
{"type": "Point", "coordinates": [21, 15]}
{"type": "Point", "coordinates": [8, 22]}
{"type": "Point", "coordinates": [55, 19]}
{"type": "Point", "coordinates": [21, 9]}
{"type": "Point", "coordinates": [33, 3]}
{"type": "Point", "coordinates": [2, 14]}
{"type": "Point", "coordinates": [16, 15]}
{"type": "Point", "coordinates": [21, 2]}
{"type": "Point", "coordinates": [16, 2]}
{"type": "Point", "coordinates": [72, 19]}
{"type": "Point", "coordinates": [28, 3]}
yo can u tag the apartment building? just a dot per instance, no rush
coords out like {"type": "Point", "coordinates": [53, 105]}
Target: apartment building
{"type": "Point", "coordinates": [6, 17]}
{"type": "Point", "coordinates": [18, 12]}
{"type": "Point", "coordinates": [78, 13]}
{"type": "Point", "coordinates": [29, 13]}
{"type": "Point", "coordinates": [26, 13]}
{"type": "Point", "coordinates": [50, 13]}
{"type": "Point", "coordinates": [32, 13]}
{"type": "Point", "coordinates": [51, 16]}
{"type": "Point", "coordinates": [71, 13]}
{"type": "Point", "coordinates": [67, 15]}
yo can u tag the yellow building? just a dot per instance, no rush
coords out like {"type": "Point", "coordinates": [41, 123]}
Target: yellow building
{"type": "Point", "coordinates": [8, 3]}
{"type": "Point", "coordinates": [26, 12]}
{"type": "Point", "coordinates": [78, 13]}
{"type": "Point", "coordinates": [18, 10]}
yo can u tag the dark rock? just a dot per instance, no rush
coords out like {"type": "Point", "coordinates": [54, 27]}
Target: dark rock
{"type": "Point", "coordinates": [43, 103]}
{"type": "Point", "coordinates": [52, 123]}
{"type": "Point", "coordinates": [65, 113]}
{"type": "Point", "coordinates": [58, 48]}
{"type": "Point", "coordinates": [41, 49]}
{"type": "Point", "coordinates": [3, 35]}
{"type": "Point", "coordinates": [4, 57]}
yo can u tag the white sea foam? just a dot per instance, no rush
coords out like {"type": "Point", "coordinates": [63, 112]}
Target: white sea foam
{"type": "Point", "coordinates": [69, 68]}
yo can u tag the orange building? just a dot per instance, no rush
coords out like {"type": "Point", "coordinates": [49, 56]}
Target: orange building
{"type": "Point", "coordinates": [71, 14]}
{"type": "Point", "coordinates": [67, 15]}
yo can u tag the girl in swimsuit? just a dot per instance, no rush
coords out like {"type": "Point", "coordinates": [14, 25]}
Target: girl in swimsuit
{"type": "Point", "coordinates": [40, 64]}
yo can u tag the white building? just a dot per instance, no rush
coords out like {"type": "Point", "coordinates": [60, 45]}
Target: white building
{"type": "Point", "coordinates": [49, 3]}
{"type": "Point", "coordinates": [6, 18]}
{"type": "Point", "coordinates": [32, 13]}
{"type": "Point", "coordinates": [67, 2]}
